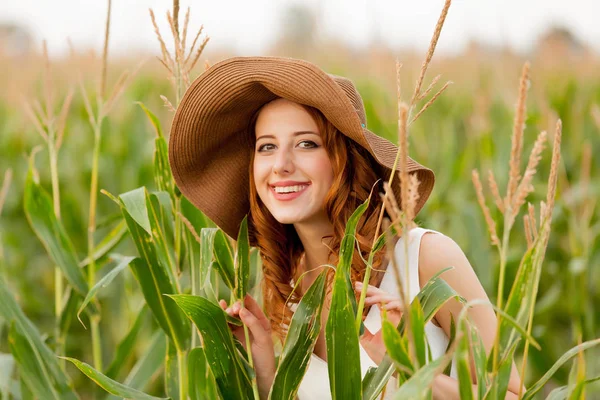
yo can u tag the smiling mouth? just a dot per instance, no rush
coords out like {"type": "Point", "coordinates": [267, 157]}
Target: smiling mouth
{"type": "Point", "coordinates": [288, 192]}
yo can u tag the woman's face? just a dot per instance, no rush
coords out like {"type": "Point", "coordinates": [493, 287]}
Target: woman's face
{"type": "Point", "coordinates": [292, 171]}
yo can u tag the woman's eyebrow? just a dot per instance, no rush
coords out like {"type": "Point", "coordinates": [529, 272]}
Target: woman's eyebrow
{"type": "Point", "coordinates": [298, 133]}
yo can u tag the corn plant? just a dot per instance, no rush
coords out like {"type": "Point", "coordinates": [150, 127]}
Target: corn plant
{"type": "Point", "coordinates": [184, 264]}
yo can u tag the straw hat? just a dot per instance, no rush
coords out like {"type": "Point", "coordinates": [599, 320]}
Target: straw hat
{"type": "Point", "coordinates": [210, 145]}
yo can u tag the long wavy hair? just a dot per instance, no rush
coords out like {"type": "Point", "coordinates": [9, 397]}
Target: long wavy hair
{"type": "Point", "coordinates": [279, 245]}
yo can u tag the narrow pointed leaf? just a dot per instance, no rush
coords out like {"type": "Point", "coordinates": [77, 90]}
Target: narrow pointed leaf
{"type": "Point", "coordinates": [536, 387]}
{"type": "Point", "coordinates": [123, 262]}
{"type": "Point", "coordinates": [343, 354]}
{"type": "Point", "coordinates": [154, 283]}
{"type": "Point", "coordinates": [108, 243]}
{"type": "Point", "coordinates": [171, 376]}
{"type": "Point", "coordinates": [224, 257]}
{"type": "Point", "coordinates": [419, 385]}
{"type": "Point", "coordinates": [463, 364]}
{"type": "Point", "coordinates": [154, 270]}
{"type": "Point", "coordinates": [396, 346]}
{"type": "Point", "coordinates": [35, 350]}
{"type": "Point", "coordinates": [40, 214]}
{"type": "Point", "coordinates": [499, 384]}
{"type": "Point", "coordinates": [300, 341]}
{"type": "Point", "coordinates": [32, 368]}
{"type": "Point", "coordinates": [202, 384]}
{"type": "Point", "coordinates": [432, 297]}
{"type": "Point", "coordinates": [417, 321]}
{"type": "Point", "coordinates": [111, 386]}
{"type": "Point", "coordinates": [207, 243]}
{"type": "Point", "coordinates": [152, 118]}
{"type": "Point", "coordinates": [223, 357]}
{"type": "Point", "coordinates": [242, 261]}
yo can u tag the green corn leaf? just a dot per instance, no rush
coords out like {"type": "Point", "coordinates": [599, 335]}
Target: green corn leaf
{"type": "Point", "coordinates": [154, 270]}
{"type": "Point", "coordinates": [202, 384]}
{"type": "Point", "coordinates": [562, 392]}
{"type": "Point", "coordinates": [224, 359]}
{"type": "Point", "coordinates": [32, 349]}
{"type": "Point", "coordinates": [152, 118]}
{"type": "Point", "coordinates": [343, 354]}
{"type": "Point", "coordinates": [242, 261]}
{"type": "Point", "coordinates": [111, 386]}
{"type": "Point", "coordinates": [134, 203]}
{"type": "Point", "coordinates": [536, 387]}
{"type": "Point", "coordinates": [419, 385]}
{"type": "Point", "coordinates": [417, 325]}
{"type": "Point", "coordinates": [171, 376]}
{"type": "Point", "coordinates": [397, 347]}
{"type": "Point", "coordinates": [108, 243]}
{"type": "Point", "coordinates": [448, 369]}
{"type": "Point", "coordinates": [40, 214]}
{"type": "Point", "coordinates": [463, 363]}
{"type": "Point", "coordinates": [123, 262]}
{"type": "Point", "coordinates": [154, 283]}
{"type": "Point", "coordinates": [300, 342]}
{"type": "Point", "coordinates": [207, 244]}
{"type": "Point", "coordinates": [147, 366]}
{"type": "Point", "coordinates": [255, 273]}
{"type": "Point", "coordinates": [478, 353]}
{"type": "Point", "coordinates": [162, 172]}
{"type": "Point", "coordinates": [432, 297]}
{"type": "Point", "coordinates": [32, 368]}
{"type": "Point", "coordinates": [127, 345]}
{"type": "Point", "coordinates": [224, 257]}
{"type": "Point", "coordinates": [499, 382]}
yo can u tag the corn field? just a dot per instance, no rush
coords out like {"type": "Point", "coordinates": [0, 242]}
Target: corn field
{"type": "Point", "coordinates": [110, 278]}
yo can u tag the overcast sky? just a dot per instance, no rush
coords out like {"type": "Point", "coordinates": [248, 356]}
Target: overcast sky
{"type": "Point", "coordinates": [250, 26]}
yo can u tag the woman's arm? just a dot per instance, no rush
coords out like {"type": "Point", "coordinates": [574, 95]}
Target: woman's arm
{"type": "Point", "coordinates": [438, 252]}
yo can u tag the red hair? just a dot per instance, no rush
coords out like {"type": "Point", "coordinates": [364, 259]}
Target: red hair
{"type": "Point", "coordinates": [279, 245]}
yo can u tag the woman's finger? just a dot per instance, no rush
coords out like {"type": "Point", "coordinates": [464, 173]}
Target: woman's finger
{"type": "Point", "coordinates": [380, 298]}
{"type": "Point", "coordinates": [394, 305]}
{"type": "Point", "coordinates": [255, 309]}
{"type": "Point", "coordinates": [259, 334]}
{"type": "Point", "coordinates": [371, 290]}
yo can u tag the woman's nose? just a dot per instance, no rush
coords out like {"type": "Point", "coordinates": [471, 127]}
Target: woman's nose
{"type": "Point", "coordinates": [284, 162]}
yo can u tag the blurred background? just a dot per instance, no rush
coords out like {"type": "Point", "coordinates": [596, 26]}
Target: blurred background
{"type": "Point", "coordinates": [482, 49]}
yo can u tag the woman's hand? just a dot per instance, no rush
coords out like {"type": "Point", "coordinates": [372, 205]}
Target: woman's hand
{"type": "Point", "coordinates": [261, 341]}
{"type": "Point", "coordinates": [373, 343]}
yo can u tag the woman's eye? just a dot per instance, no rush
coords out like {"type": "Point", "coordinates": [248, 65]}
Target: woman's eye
{"type": "Point", "coordinates": [264, 147]}
{"type": "Point", "coordinates": [309, 144]}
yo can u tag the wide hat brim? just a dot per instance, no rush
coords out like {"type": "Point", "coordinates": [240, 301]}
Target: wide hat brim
{"type": "Point", "coordinates": [210, 146]}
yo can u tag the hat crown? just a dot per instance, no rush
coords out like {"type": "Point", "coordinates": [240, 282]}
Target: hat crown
{"type": "Point", "coordinates": [357, 102]}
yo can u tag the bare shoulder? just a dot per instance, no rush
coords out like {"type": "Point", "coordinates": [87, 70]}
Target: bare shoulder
{"type": "Point", "coordinates": [438, 252]}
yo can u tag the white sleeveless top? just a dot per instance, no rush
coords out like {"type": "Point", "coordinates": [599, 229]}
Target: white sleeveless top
{"type": "Point", "coordinates": [315, 384]}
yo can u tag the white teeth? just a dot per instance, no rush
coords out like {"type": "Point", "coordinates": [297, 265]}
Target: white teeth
{"type": "Point", "coordinates": [289, 189]}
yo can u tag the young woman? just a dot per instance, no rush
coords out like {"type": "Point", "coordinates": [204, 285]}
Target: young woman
{"type": "Point", "coordinates": [286, 143]}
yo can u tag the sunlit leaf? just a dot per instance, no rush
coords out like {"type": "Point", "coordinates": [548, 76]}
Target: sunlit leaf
{"type": "Point", "coordinates": [33, 355]}
{"type": "Point", "coordinates": [225, 362]}
{"type": "Point", "coordinates": [40, 214]}
{"type": "Point", "coordinates": [242, 261]}
{"type": "Point", "coordinates": [343, 355]}
{"type": "Point", "coordinates": [123, 262]}
{"type": "Point", "coordinates": [202, 384]}
{"type": "Point", "coordinates": [110, 385]}
{"type": "Point", "coordinates": [536, 387]}
{"type": "Point", "coordinates": [300, 341]}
